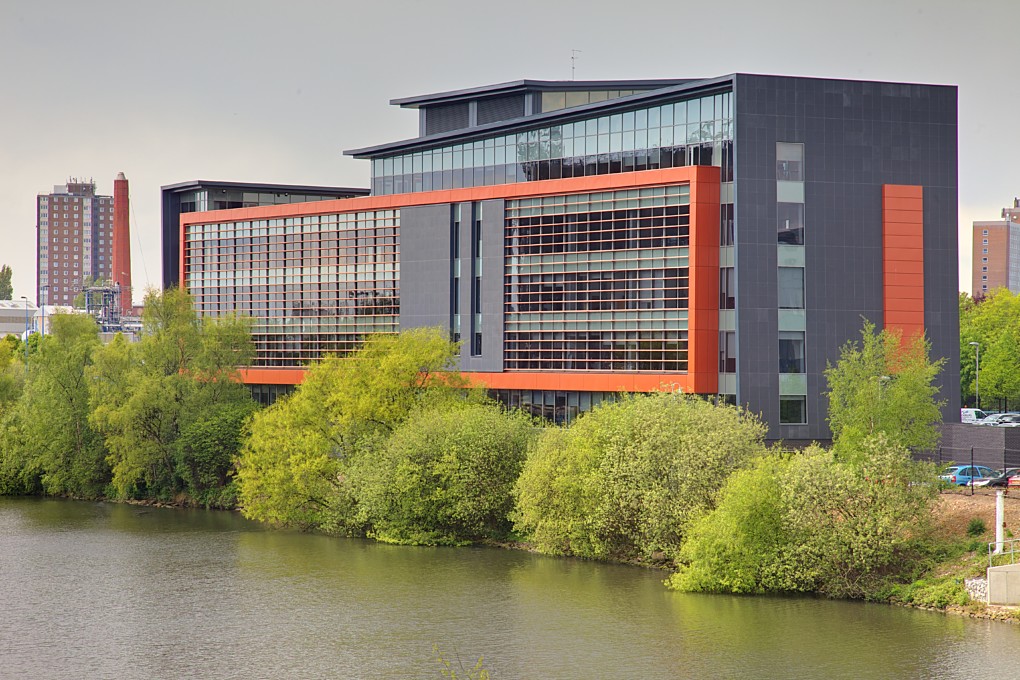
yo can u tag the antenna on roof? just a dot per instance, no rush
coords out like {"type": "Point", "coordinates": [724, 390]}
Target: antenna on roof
{"type": "Point", "coordinates": [573, 62]}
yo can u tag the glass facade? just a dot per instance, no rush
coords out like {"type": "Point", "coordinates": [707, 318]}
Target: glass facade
{"type": "Point", "coordinates": [555, 406]}
{"type": "Point", "coordinates": [598, 281]}
{"type": "Point", "coordinates": [313, 285]}
{"type": "Point", "coordinates": [696, 131]}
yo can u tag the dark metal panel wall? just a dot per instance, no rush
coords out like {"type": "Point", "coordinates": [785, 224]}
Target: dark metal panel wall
{"type": "Point", "coordinates": [493, 233]}
{"type": "Point", "coordinates": [857, 136]}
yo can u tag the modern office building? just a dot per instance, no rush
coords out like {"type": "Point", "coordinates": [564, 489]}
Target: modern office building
{"type": "Point", "coordinates": [74, 240]}
{"type": "Point", "coordinates": [203, 195]}
{"type": "Point", "coordinates": [996, 253]}
{"type": "Point", "coordinates": [724, 236]}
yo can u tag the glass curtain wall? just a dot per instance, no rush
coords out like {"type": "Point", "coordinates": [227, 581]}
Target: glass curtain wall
{"type": "Point", "coordinates": [697, 131]}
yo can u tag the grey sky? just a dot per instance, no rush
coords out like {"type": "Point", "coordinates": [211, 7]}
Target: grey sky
{"type": "Point", "coordinates": [273, 91]}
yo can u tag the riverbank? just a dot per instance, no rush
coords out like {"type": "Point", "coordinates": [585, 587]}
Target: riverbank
{"type": "Point", "coordinates": [944, 586]}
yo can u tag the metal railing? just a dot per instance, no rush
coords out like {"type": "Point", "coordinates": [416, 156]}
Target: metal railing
{"type": "Point", "coordinates": [1010, 548]}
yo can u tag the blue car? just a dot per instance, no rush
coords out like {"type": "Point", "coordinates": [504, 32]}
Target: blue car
{"type": "Point", "coordinates": [962, 475]}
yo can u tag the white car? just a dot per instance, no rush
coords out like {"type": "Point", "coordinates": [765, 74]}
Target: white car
{"type": "Point", "coordinates": [998, 418]}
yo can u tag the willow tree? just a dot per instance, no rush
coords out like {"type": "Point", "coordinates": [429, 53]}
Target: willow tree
{"type": "Point", "coordinates": [294, 467]}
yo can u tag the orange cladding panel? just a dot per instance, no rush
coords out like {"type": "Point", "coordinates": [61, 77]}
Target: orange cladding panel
{"type": "Point", "coordinates": [903, 258]}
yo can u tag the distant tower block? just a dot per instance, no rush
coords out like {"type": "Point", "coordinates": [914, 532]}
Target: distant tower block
{"type": "Point", "coordinates": [121, 270]}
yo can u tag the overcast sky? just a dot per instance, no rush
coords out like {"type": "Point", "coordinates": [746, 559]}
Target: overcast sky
{"type": "Point", "coordinates": [261, 91]}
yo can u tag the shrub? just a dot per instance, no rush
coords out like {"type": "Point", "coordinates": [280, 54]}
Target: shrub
{"type": "Point", "coordinates": [445, 476]}
{"type": "Point", "coordinates": [626, 479]}
{"type": "Point", "coordinates": [976, 527]}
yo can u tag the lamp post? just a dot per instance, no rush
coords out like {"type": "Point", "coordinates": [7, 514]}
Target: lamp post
{"type": "Point", "coordinates": [977, 372]}
{"type": "Point", "coordinates": [26, 330]}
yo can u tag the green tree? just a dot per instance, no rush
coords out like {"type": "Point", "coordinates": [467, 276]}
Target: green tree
{"type": "Point", "coordinates": [884, 385]}
{"type": "Point", "coordinates": [994, 322]}
{"type": "Point", "coordinates": [445, 476]}
{"type": "Point", "coordinates": [6, 288]}
{"type": "Point", "coordinates": [58, 445]}
{"type": "Point", "coordinates": [626, 479]}
{"type": "Point", "coordinates": [167, 404]}
{"type": "Point", "coordinates": [294, 466]}
{"type": "Point", "coordinates": [815, 522]}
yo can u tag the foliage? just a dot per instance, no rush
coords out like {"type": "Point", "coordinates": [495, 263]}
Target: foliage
{"type": "Point", "coordinates": [170, 407]}
{"type": "Point", "coordinates": [976, 527]}
{"type": "Point", "coordinates": [626, 479]}
{"type": "Point", "coordinates": [884, 385]}
{"type": "Point", "coordinates": [6, 287]}
{"type": "Point", "coordinates": [445, 476]}
{"type": "Point", "coordinates": [994, 322]}
{"type": "Point", "coordinates": [476, 672]}
{"type": "Point", "coordinates": [55, 449]}
{"type": "Point", "coordinates": [294, 466]}
{"type": "Point", "coordinates": [815, 522]}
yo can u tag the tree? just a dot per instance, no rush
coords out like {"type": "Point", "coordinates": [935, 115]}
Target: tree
{"type": "Point", "coordinates": [445, 475]}
{"type": "Point", "coordinates": [884, 385]}
{"type": "Point", "coordinates": [168, 404]}
{"type": "Point", "coordinates": [627, 478]}
{"type": "Point", "coordinates": [6, 288]}
{"type": "Point", "coordinates": [993, 322]}
{"type": "Point", "coordinates": [815, 522]}
{"type": "Point", "coordinates": [58, 443]}
{"type": "Point", "coordinates": [294, 467]}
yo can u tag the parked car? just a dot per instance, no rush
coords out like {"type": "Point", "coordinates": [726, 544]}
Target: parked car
{"type": "Point", "coordinates": [1002, 479]}
{"type": "Point", "coordinates": [972, 415]}
{"type": "Point", "coordinates": [994, 418]}
{"type": "Point", "coordinates": [963, 475]}
{"type": "Point", "coordinates": [1009, 420]}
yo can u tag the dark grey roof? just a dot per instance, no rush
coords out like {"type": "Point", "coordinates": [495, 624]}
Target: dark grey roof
{"type": "Point", "coordinates": [268, 188]}
{"type": "Point", "coordinates": [541, 119]}
{"type": "Point", "coordinates": [535, 85]}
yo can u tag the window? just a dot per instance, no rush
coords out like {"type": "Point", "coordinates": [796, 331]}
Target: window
{"type": "Point", "coordinates": [726, 224]}
{"type": "Point", "coordinates": [985, 242]}
{"type": "Point", "coordinates": [727, 288]}
{"type": "Point", "coordinates": [791, 223]}
{"type": "Point", "coordinates": [789, 162]}
{"type": "Point", "coordinates": [791, 288]}
{"type": "Point", "coordinates": [727, 352]}
{"type": "Point", "coordinates": [984, 233]}
{"type": "Point", "coordinates": [791, 351]}
{"type": "Point", "coordinates": [793, 410]}
{"type": "Point", "coordinates": [984, 269]}
{"type": "Point", "coordinates": [984, 251]}
{"type": "Point", "coordinates": [984, 259]}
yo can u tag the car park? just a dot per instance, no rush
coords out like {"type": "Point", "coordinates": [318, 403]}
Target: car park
{"type": "Point", "coordinates": [964, 475]}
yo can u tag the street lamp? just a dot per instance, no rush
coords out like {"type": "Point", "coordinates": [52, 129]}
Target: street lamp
{"type": "Point", "coordinates": [26, 330]}
{"type": "Point", "coordinates": [977, 372]}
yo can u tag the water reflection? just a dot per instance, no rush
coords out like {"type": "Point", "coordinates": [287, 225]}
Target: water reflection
{"type": "Point", "coordinates": [92, 590]}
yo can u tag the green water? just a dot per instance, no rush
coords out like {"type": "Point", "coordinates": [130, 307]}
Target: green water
{"type": "Point", "coordinates": [93, 590]}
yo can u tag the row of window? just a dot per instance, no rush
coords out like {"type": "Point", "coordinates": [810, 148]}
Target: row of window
{"type": "Point", "coordinates": [694, 120]}
{"type": "Point", "coordinates": [719, 153]}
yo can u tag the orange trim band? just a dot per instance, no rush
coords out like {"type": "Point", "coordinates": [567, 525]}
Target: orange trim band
{"type": "Point", "coordinates": [903, 258]}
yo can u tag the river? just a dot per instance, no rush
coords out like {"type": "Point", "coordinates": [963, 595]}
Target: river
{"type": "Point", "coordinates": [95, 590]}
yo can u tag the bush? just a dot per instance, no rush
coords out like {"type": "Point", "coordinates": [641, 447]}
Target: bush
{"type": "Point", "coordinates": [976, 527]}
{"type": "Point", "coordinates": [445, 476]}
{"type": "Point", "coordinates": [815, 523]}
{"type": "Point", "coordinates": [626, 479]}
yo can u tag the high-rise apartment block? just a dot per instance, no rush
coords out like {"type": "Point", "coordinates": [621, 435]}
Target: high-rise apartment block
{"type": "Point", "coordinates": [74, 231]}
{"type": "Point", "coordinates": [996, 253]}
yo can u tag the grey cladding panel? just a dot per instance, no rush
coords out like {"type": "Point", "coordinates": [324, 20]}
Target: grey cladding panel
{"type": "Point", "coordinates": [491, 359]}
{"type": "Point", "coordinates": [425, 273]}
